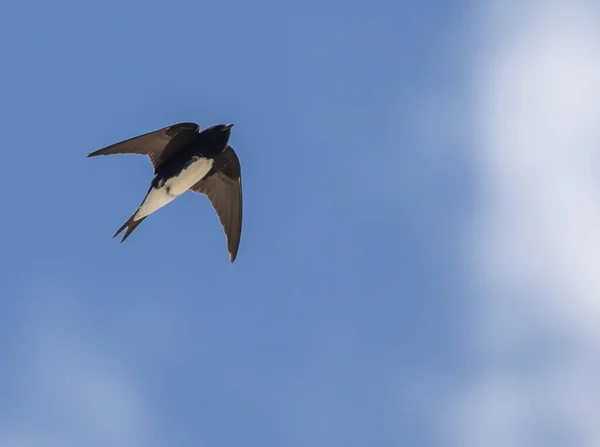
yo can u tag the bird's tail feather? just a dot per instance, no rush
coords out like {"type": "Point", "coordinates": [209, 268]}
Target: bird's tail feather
{"type": "Point", "coordinates": [131, 225]}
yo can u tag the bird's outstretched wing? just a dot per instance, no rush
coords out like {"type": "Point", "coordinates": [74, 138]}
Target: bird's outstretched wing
{"type": "Point", "coordinates": [223, 187]}
{"type": "Point", "coordinates": [158, 145]}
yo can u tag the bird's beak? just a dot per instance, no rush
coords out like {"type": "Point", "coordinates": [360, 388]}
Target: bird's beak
{"type": "Point", "coordinates": [228, 126]}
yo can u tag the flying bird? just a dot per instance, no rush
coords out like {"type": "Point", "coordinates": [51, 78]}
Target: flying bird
{"type": "Point", "coordinates": [185, 158]}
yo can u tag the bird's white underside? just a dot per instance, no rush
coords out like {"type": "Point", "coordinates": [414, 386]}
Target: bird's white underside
{"type": "Point", "coordinates": [159, 197]}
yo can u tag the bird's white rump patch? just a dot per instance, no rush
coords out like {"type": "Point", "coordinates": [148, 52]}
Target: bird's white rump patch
{"type": "Point", "coordinates": [175, 186]}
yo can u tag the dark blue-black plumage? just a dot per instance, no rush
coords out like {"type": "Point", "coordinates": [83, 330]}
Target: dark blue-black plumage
{"type": "Point", "coordinates": [185, 158]}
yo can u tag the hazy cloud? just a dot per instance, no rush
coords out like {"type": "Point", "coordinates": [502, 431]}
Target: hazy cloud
{"type": "Point", "coordinates": [66, 390]}
{"type": "Point", "coordinates": [534, 246]}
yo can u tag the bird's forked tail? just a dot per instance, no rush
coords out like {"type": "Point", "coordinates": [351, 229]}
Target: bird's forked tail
{"type": "Point", "coordinates": [131, 225]}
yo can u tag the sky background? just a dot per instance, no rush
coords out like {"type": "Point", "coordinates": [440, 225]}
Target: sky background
{"type": "Point", "coordinates": [420, 247]}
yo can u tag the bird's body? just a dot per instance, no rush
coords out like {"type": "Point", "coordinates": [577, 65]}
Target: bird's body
{"type": "Point", "coordinates": [186, 159]}
{"type": "Point", "coordinates": [166, 186]}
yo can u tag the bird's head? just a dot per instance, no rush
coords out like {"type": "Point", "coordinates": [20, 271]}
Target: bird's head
{"type": "Point", "coordinates": [218, 133]}
{"type": "Point", "coordinates": [224, 128]}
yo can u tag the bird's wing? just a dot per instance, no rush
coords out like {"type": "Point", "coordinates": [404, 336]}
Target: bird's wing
{"type": "Point", "coordinates": [158, 145]}
{"type": "Point", "coordinates": [223, 187]}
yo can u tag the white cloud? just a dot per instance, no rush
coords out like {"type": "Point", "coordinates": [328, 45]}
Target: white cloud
{"type": "Point", "coordinates": [66, 390]}
{"type": "Point", "coordinates": [535, 242]}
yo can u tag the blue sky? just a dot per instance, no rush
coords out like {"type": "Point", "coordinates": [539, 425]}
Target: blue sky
{"type": "Point", "coordinates": [348, 316]}
{"type": "Point", "coordinates": [339, 296]}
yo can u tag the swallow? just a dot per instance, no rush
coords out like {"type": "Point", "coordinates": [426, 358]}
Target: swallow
{"type": "Point", "coordinates": [185, 158]}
